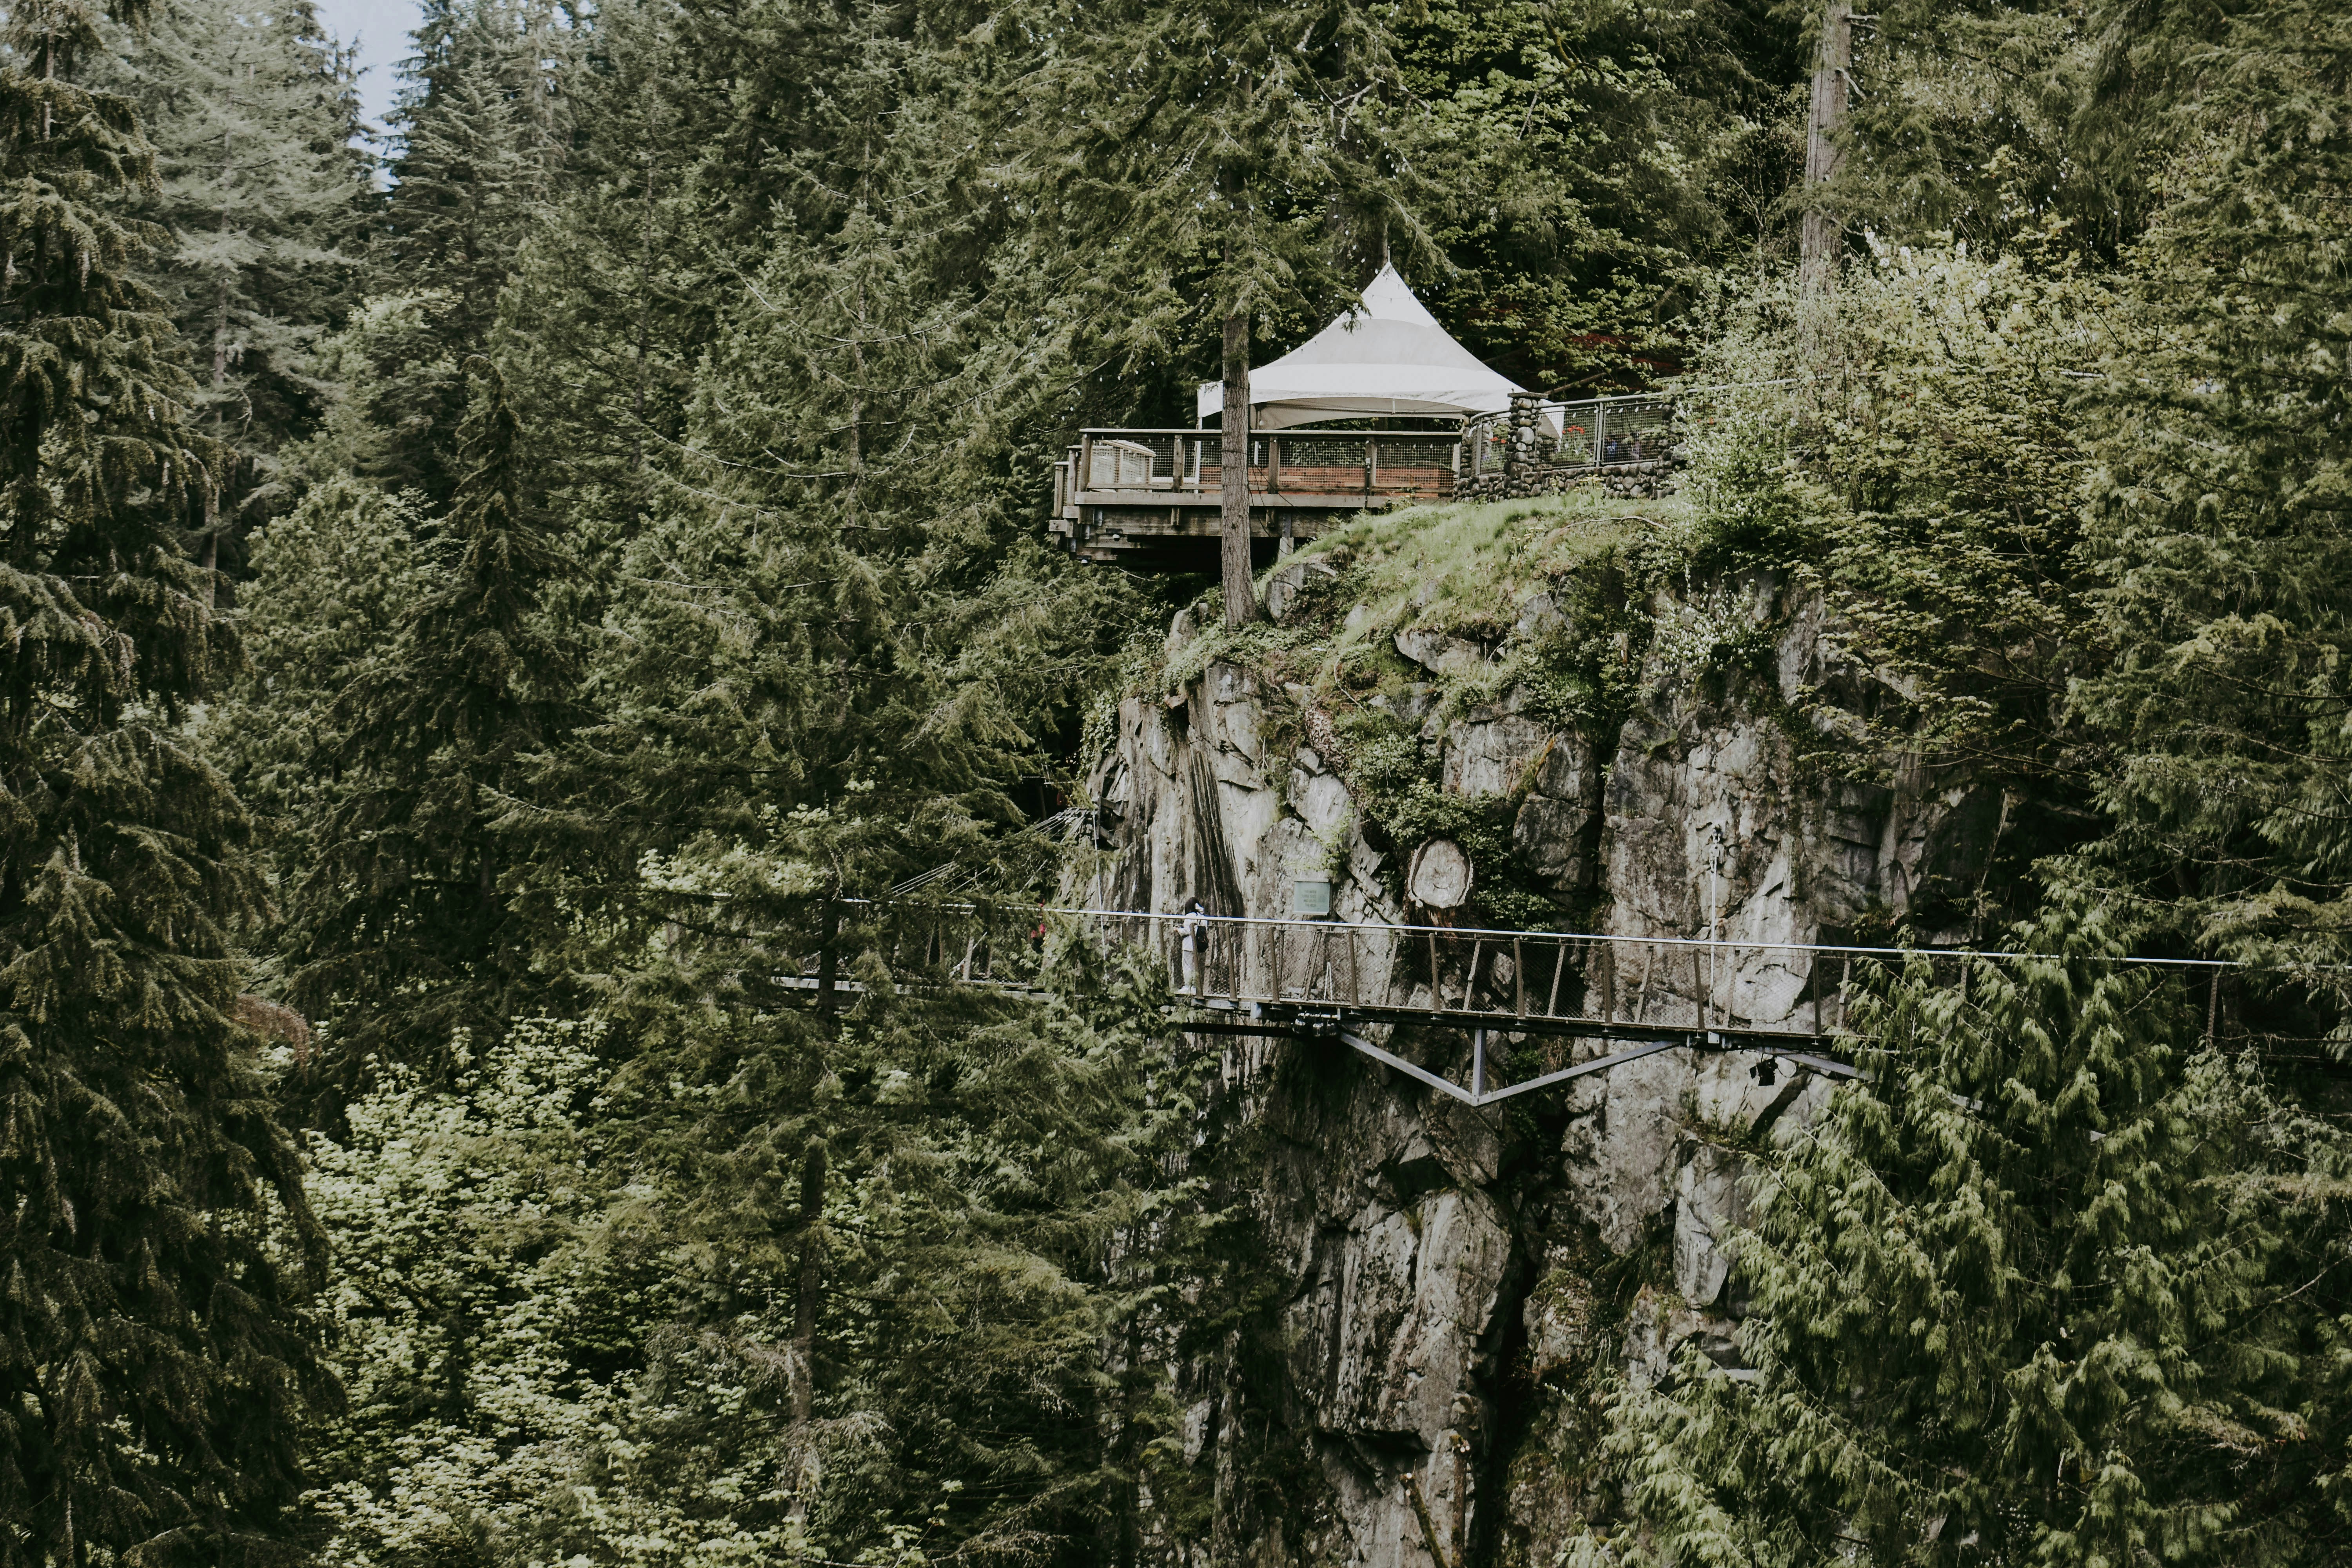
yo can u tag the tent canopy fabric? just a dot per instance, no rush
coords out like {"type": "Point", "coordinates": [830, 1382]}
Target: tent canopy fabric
{"type": "Point", "coordinates": [1389, 356]}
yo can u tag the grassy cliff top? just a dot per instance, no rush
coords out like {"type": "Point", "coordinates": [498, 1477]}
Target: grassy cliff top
{"type": "Point", "coordinates": [1468, 575]}
{"type": "Point", "coordinates": [1468, 570]}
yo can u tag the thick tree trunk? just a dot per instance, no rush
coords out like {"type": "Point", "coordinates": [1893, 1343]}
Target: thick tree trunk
{"type": "Point", "coordinates": [810, 1296]}
{"type": "Point", "coordinates": [1822, 235]}
{"type": "Point", "coordinates": [1241, 591]}
{"type": "Point", "coordinates": [828, 969]}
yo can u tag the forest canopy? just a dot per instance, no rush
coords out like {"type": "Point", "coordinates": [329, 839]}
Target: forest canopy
{"type": "Point", "coordinates": [489, 597]}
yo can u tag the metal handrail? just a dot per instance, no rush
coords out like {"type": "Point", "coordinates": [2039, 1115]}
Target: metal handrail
{"type": "Point", "coordinates": [1504, 932]}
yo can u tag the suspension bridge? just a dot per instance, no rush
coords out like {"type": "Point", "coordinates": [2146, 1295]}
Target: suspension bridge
{"type": "Point", "coordinates": [1524, 999]}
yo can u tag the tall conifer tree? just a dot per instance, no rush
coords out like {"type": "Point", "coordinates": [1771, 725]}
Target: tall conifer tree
{"type": "Point", "coordinates": [401, 927]}
{"type": "Point", "coordinates": [1232, 136]}
{"type": "Point", "coordinates": [2222, 504]}
{"type": "Point", "coordinates": [150, 1365]}
{"type": "Point", "coordinates": [2052, 1284]}
{"type": "Point", "coordinates": [482, 131]}
{"type": "Point", "coordinates": [252, 114]}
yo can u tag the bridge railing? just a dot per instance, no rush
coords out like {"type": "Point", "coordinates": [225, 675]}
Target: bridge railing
{"type": "Point", "coordinates": [1496, 978]}
{"type": "Point", "coordinates": [1491, 979]}
{"type": "Point", "coordinates": [1478, 978]}
{"type": "Point", "coordinates": [1639, 994]}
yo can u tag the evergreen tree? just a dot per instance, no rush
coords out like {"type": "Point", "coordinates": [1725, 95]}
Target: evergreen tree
{"type": "Point", "coordinates": [610, 305]}
{"type": "Point", "coordinates": [1240, 137]}
{"type": "Point", "coordinates": [2053, 1285]}
{"type": "Point", "coordinates": [151, 1362]}
{"type": "Point", "coordinates": [1590, 171]}
{"type": "Point", "coordinates": [252, 115]}
{"type": "Point", "coordinates": [2219, 521]}
{"type": "Point", "coordinates": [330, 583]}
{"type": "Point", "coordinates": [400, 927]}
{"type": "Point", "coordinates": [482, 131]}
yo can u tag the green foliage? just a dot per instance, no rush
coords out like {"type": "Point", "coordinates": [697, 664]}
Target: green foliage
{"type": "Point", "coordinates": [562, 1302]}
{"type": "Point", "coordinates": [661, 588]}
{"type": "Point", "coordinates": [252, 114]}
{"type": "Point", "coordinates": [2217, 532]}
{"type": "Point", "coordinates": [481, 134]}
{"type": "Point", "coordinates": [1588, 166]}
{"type": "Point", "coordinates": [492, 1271]}
{"type": "Point", "coordinates": [400, 923]}
{"type": "Point", "coordinates": [330, 582]}
{"type": "Point", "coordinates": [2055, 1284]}
{"type": "Point", "coordinates": [155, 1245]}
{"type": "Point", "coordinates": [1233, 137]}
{"type": "Point", "coordinates": [1913, 458]}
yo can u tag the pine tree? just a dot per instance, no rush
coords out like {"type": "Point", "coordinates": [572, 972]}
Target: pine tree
{"type": "Point", "coordinates": [2054, 1284]}
{"type": "Point", "coordinates": [252, 115]}
{"type": "Point", "coordinates": [2221, 512]}
{"type": "Point", "coordinates": [1237, 137]}
{"type": "Point", "coordinates": [1589, 171]}
{"type": "Point", "coordinates": [481, 128]}
{"type": "Point", "coordinates": [151, 1360]}
{"type": "Point", "coordinates": [608, 311]}
{"type": "Point", "coordinates": [330, 582]}
{"type": "Point", "coordinates": [479, 142]}
{"type": "Point", "coordinates": [400, 928]}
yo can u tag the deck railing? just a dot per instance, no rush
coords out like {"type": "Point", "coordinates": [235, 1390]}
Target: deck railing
{"type": "Point", "coordinates": [1145, 466]}
{"type": "Point", "coordinates": [1151, 465]}
{"type": "Point", "coordinates": [1594, 432]}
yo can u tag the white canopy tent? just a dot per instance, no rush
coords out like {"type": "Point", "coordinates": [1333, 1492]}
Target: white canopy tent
{"type": "Point", "coordinates": [1388, 356]}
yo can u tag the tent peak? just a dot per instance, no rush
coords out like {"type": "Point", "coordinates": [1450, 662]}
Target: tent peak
{"type": "Point", "coordinates": [1389, 298]}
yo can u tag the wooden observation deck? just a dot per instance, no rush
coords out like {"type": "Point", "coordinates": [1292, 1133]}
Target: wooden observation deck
{"type": "Point", "coordinates": [1150, 499]}
{"type": "Point", "coordinates": [1380, 408]}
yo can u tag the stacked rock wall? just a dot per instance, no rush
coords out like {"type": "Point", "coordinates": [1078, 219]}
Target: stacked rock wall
{"type": "Point", "coordinates": [1455, 1285]}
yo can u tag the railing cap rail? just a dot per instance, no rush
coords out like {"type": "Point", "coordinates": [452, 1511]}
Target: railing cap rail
{"type": "Point", "coordinates": [1261, 434]}
{"type": "Point", "coordinates": [1694, 942]}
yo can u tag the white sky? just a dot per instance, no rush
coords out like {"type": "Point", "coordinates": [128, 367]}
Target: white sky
{"type": "Point", "coordinates": [381, 28]}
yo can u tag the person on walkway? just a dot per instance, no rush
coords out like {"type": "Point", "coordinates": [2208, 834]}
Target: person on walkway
{"type": "Point", "coordinates": [1194, 929]}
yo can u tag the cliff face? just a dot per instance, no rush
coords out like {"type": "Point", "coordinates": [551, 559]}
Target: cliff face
{"type": "Point", "coordinates": [1456, 1286]}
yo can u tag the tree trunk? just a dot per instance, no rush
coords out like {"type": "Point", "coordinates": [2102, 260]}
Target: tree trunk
{"type": "Point", "coordinates": [827, 966]}
{"type": "Point", "coordinates": [1241, 591]}
{"type": "Point", "coordinates": [1822, 235]}
{"type": "Point", "coordinates": [811, 1293]}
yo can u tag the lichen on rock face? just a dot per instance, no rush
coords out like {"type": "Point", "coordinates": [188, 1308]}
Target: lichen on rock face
{"type": "Point", "coordinates": [1617, 747]}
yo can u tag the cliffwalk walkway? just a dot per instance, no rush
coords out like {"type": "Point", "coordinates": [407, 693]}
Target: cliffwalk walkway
{"type": "Point", "coordinates": [1521, 996]}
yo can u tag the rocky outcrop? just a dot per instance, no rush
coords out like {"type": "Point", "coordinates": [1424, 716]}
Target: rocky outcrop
{"type": "Point", "coordinates": [1452, 1283]}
